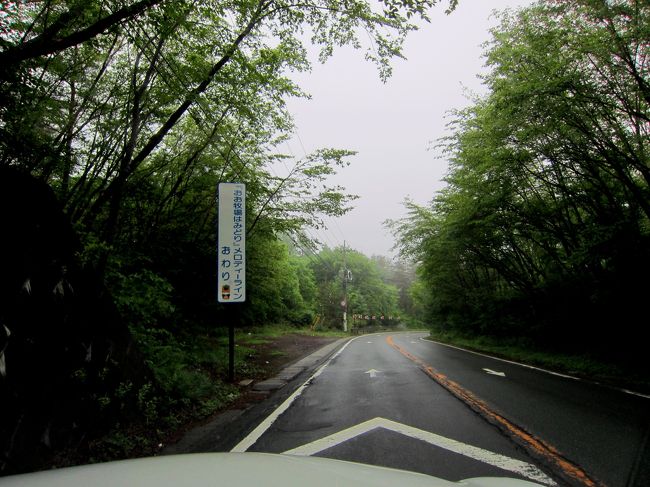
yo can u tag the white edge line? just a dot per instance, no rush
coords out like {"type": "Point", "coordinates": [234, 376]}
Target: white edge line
{"type": "Point", "coordinates": [503, 360]}
{"type": "Point", "coordinates": [626, 391]}
{"type": "Point", "coordinates": [261, 428]}
{"type": "Point", "coordinates": [495, 459]}
{"type": "Point", "coordinates": [634, 393]}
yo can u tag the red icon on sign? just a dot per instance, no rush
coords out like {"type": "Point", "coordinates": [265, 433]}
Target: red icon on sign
{"type": "Point", "coordinates": [225, 291]}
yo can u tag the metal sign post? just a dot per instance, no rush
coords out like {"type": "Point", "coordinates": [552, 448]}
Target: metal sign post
{"type": "Point", "coordinates": [231, 255]}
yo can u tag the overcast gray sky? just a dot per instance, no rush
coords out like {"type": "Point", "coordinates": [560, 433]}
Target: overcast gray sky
{"type": "Point", "coordinates": [392, 125]}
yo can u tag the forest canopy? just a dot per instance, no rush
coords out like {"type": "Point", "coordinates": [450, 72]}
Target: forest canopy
{"type": "Point", "coordinates": [542, 231]}
{"type": "Point", "coordinates": [133, 112]}
{"type": "Point", "coordinates": [118, 119]}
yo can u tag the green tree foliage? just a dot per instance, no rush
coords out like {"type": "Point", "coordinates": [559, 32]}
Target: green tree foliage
{"type": "Point", "coordinates": [402, 275]}
{"type": "Point", "coordinates": [134, 111]}
{"type": "Point", "coordinates": [282, 287]}
{"type": "Point", "coordinates": [542, 231]}
{"type": "Point", "coordinates": [367, 291]}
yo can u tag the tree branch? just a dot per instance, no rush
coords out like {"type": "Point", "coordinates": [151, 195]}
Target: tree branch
{"type": "Point", "coordinates": [47, 42]}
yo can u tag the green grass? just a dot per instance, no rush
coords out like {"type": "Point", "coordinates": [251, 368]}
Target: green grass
{"type": "Point", "coordinates": [579, 365]}
{"type": "Point", "coordinates": [324, 333]}
{"type": "Point", "coordinates": [250, 339]}
{"type": "Point", "coordinates": [271, 332]}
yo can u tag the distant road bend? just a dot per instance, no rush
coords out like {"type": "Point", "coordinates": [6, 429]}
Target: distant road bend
{"type": "Point", "coordinates": [372, 403]}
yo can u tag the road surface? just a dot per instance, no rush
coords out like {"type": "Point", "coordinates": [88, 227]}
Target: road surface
{"type": "Point", "coordinates": [399, 401]}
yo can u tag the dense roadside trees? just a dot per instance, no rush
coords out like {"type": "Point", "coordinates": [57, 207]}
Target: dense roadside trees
{"type": "Point", "coordinates": [542, 231]}
{"type": "Point", "coordinates": [131, 113]}
{"type": "Point", "coordinates": [368, 291]}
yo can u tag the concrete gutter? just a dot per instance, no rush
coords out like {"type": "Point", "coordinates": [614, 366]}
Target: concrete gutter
{"type": "Point", "coordinates": [294, 370]}
{"type": "Point", "coordinates": [224, 430]}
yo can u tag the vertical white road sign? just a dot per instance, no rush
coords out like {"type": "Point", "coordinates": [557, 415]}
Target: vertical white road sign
{"type": "Point", "coordinates": [231, 238]}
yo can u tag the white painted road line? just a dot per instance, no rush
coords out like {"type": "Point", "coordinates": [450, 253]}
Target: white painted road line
{"type": "Point", "coordinates": [494, 372]}
{"type": "Point", "coordinates": [626, 391]}
{"type": "Point", "coordinates": [503, 360]}
{"type": "Point", "coordinates": [261, 428]}
{"type": "Point", "coordinates": [496, 460]}
{"type": "Point", "coordinates": [634, 393]}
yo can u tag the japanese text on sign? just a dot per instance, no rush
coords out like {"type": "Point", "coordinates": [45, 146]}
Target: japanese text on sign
{"type": "Point", "coordinates": [232, 243]}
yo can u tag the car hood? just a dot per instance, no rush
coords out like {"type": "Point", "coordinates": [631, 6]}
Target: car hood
{"type": "Point", "coordinates": [240, 469]}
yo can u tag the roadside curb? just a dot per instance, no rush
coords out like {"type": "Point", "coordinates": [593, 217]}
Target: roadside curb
{"type": "Point", "coordinates": [225, 429]}
{"type": "Point", "coordinates": [291, 371]}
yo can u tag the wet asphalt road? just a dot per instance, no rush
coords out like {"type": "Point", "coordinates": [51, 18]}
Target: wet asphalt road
{"type": "Point", "coordinates": [602, 429]}
{"type": "Point", "coordinates": [372, 404]}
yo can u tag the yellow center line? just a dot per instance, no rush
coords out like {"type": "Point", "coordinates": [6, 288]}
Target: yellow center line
{"type": "Point", "coordinates": [536, 447]}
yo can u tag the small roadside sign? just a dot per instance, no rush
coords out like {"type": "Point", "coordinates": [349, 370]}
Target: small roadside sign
{"type": "Point", "coordinates": [231, 243]}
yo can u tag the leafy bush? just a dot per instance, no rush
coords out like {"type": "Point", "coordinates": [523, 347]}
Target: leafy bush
{"type": "Point", "coordinates": [143, 297]}
{"type": "Point", "coordinates": [173, 365]}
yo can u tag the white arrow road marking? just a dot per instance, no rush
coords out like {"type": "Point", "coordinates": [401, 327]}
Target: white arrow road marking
{"type": "Point", "coordinates": [372, 372]}
{"type": "Point", "coordinates": [494, 372]}
{"type": "Point", "coordinates": [495, 459]}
